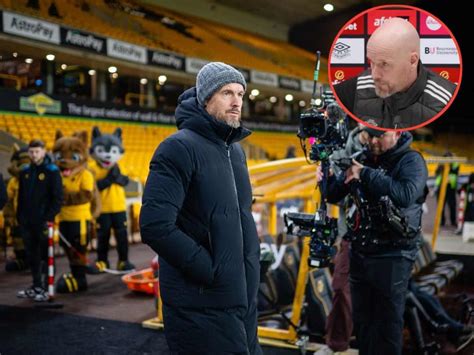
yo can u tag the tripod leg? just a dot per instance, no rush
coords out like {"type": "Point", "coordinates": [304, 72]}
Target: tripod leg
{"type": "Point", "coordinates": [421, 312]}
{"type": "Point", "coordinates": [414, 326]}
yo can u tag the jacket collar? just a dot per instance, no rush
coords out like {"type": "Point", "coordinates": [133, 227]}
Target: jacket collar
{"type": "Point", "coordinates": [392, 155]}
{"type": "Point", "coordinates": [190, 115]}
{"type": "Point", "coordinates": [404, 99]}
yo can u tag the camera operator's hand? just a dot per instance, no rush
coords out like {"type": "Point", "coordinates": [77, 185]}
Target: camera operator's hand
{"type": "Point", "coordinates": [320, 174]}
{"type": "Point", "coordinates": [353, 173]}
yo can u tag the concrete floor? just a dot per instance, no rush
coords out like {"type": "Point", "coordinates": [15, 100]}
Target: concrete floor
{"type": "Point", "coordinates": [107, 296]}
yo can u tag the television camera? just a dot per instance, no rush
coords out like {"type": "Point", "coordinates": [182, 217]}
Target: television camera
{"type": "Point", "coordinates": [324, 125]}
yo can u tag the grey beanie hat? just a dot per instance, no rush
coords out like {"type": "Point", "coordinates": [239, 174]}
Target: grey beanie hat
{"type": "Point", "coordinates": [213, 76]}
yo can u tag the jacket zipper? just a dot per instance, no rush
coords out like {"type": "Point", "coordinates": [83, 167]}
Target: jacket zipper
{"type": "Point", "coordinates": [233, 181]}
{"type": "Point", "coordinates": [227, 147]}
{"type": "Point", "coordinates": [210, 241]}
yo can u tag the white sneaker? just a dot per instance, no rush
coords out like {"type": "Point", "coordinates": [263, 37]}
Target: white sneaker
{"type": "Point", "coordinates": [41, 296]}
{"type": "Point", "coordinates": [29, 292]}
{"type": "Point", "coordinates": [324, 350]}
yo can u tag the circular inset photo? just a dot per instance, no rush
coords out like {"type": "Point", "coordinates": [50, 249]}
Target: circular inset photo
{"type": "Point", "coordinates": [395, 67]}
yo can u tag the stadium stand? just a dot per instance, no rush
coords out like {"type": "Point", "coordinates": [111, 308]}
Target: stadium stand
{"type": "Point", "coordinates": [140, 140]}
{"type": "Point", "coordinates": [156, 27]}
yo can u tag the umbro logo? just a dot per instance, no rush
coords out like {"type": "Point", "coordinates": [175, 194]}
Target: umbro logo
{"type": "Point", "coordinates": [341, 50]}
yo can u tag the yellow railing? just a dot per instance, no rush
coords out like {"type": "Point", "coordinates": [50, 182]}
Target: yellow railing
{"type": "Point", "coordinates": [446, 161]}
{"type": "Point", "coordinates": [142, 98]}
{"type": "Point", "coordinates": [18, 81]}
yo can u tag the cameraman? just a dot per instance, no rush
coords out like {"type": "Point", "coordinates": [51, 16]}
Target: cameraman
{"type": "Point", "coordinates": [339, 325]}
{"type": "Point", "coordinates": [381, 256]}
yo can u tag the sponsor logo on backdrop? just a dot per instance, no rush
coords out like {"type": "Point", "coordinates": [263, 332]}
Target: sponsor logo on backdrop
{"type": "Point", "coordinates": [117, 114]}
{"type": "Point", "coordinates": [193, 65]}
{"type": "Point", "coordinates": [351, 27]}
{"type": "Point", "coordinates": [439, 51]}
{"type": "Point", "coordinates": [341, 50]}
{"type": "Point", "coordinates": [82, 40]}
{"type": "Point", "coordinates": [348, 51]}
{"type": "Point", "coordinates": [381, 20]}
{"type": "Point", "coordinates": [339, 75]}
{"type": "Point", "coordinates": [127, 51]}
{"type": "Point", "coordinates": [432, 24]}
{"type": "Point", "coordinates": [263, 78]}
{"type": "Point", "coordinates": [444, 74]}
{"type": "Point", "coordinates": [356, 27]}
{"type": "Point", "coordinates": [429, 25]}
{"type": "Point", "coordinates": [278, 252]}
{"type": "Point", "coordinates": [451, 73]}
{"type": "Point", "coordinates": [31, 28]}
{"type": "Point", "coordinates": [376, 18]}
{"type": "Point", "coordinates": [40, 103]}
{"type": "Point", "coordinates": [167, 60]}
{"type": "Point", "coordinates": [289, 83]}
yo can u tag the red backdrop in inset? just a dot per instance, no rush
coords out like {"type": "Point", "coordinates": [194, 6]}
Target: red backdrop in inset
{"type": "Point", "coordinates": [339, 74]}
{"type": "Point", "coordinates": [377, 17]}
{"type": "Point", "coordinates": [356, 27]}
{"type": "Point", "coordinates": [431, 26]}
{"type": "Point", "coordinates": [452, 74]}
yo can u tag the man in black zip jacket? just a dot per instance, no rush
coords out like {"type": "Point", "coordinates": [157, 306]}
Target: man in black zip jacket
{"type": "Point", "coordinates": [382, 257]}
{"type": "Point", "coordinates": [397, 91]}
{"type": "Point", "coordinates": [39, 201]}
{"type": "Point", "coordinates": [196, 215]}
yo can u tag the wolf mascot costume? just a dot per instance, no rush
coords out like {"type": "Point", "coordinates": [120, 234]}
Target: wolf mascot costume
{"type": "Point", "coordinates": [107, 149]}
{"type": "Point", "coordinates": [75, 217]}
{"type": "Point", "coordinates": [18, 161]}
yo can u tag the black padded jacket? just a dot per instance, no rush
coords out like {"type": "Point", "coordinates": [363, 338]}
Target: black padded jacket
{"type": "Point", "coordinates": [196, 213]}
{"type": "Point", "coordinates": [427, 96]}
{"type": "Point", "coordinates": [400, 173]}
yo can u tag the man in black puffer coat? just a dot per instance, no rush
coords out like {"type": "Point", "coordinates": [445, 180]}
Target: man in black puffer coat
{"type": "Point", "coordinates": [382, 256]}
{"type": "Point", "coordinates": [196, 215]}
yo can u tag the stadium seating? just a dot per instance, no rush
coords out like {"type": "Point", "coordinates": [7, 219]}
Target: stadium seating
{"type": "Point", "coordinates": [140, 140]}
{"type": "Point", "coordinates": [178, 33]}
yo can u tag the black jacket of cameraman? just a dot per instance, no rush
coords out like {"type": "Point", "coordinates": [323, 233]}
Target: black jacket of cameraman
{"type": "Point", "coordinates": [400, 173]}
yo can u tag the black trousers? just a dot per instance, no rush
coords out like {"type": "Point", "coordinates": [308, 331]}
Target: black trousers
{"type": "Point", "coordinates": [105, 222]}
{"type": "Point", "coordinates": [207, 331]}
{"type": "Point", "coordinates": [77, 233]}
{"type": "Point", "coordinates": [378, 288]}
{"type": "Point", "coordinates": [450, 200]}
{"type": "Point", "coordinates": [35, 239]}
{"type": "Point", "coordinates": [18, 243]}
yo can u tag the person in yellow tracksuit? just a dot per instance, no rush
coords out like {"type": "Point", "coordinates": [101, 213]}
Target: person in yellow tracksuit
{"type": "Point", "coordinates": [75, 215]}
{"type": "Point", "coordinates": [107, 149]}
{"type": "Point", "coordinates": [19, 160]}
{"type": "Point", "coordinates": [451, 189]}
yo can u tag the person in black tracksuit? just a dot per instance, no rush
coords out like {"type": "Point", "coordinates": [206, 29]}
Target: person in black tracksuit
{"type": "Point", "coordinates": [382, 259]}
{"type": "Point", "coordinates": [39, 201]}
{"type": "Point", "coordinates": [196, 215]}
{"type": "Point", "coordinates": [397, 91]}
